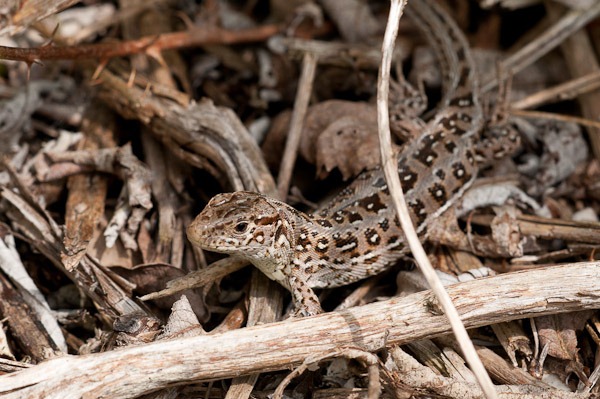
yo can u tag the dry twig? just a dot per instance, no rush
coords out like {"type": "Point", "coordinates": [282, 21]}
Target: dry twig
{"type": "Point", "coordinates": [147, 45]}
{"type": "Point", "coordinates": [136, 370]}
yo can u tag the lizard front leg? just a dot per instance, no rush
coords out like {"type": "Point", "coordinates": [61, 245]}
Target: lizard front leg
{"type": "Point", "coordinates": [306, 302]}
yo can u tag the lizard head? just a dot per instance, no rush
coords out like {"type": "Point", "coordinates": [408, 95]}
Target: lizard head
{"type": "Point", "coordinates": [247, 225]}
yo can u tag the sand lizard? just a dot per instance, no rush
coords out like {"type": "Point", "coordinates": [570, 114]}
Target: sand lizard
{"type": "Point", "coordinates": [357, 234]}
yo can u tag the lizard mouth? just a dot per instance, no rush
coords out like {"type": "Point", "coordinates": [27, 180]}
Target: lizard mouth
{"type": "Point", "coordinates": [197, 233]}
{"type": "Point", "coordinates": [205, 237]}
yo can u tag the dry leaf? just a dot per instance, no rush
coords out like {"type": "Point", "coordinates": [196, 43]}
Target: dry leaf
{"type": "Point", "coordinates": [345, 129]}
{"type": "Point", "coordinates": [559, 333]}
{"type": "Point", "coordinates": [182, 321]}
{"type": "Point", "coordinates": [349, 144]}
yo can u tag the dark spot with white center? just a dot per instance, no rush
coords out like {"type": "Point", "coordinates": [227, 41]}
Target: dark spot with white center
{"type": "Point", "coordinates": [450, 146]}
{"type": "Point", "coordinates": [303, 237]}
{"type": "Point", "coordinates": [470, 158]}
{"type": "Point", "coordinates": [324, 223]}
{"type": "Point", "coordinates": [438, 192]}
{"type": "Point", "coordinates": [393, 240]}
{"type": "Point", "coordinates": [322, 245]}
{"type": "Point", "coordinates": [372, 203]}
{"type": "Point", "coordinates": [464, 101]}
{"type": "Point", "coordinates": [428, 139]}
{"type": "Point", "coordinates": [426, 155]}
{"type": "Point", "coordinates": [384, 225]}
{"type": "Point", "coordinates": [458, 170]}
{"type": "Point", "coordinates": [418, 208]}
{"type": "Point", "coordinates": [450, 125]}
{"type": "Point", "coordinates": [372, 237]}
{"type": "Point", "coordinates": [354, 217]}
{"type": "Point", "coordinates": [408, 178]}
{"type": "Point", "coordinates": [347, 243]}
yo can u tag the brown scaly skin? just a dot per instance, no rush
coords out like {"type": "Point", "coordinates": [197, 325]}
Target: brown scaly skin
{"type": "Point", "coordinates": [357, 234]}
{"type": "Point", "coordinates": [261, 230]}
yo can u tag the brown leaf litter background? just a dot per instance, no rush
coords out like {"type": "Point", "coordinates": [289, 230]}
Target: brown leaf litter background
{"type": "Point", "coordinates": [119, 121]}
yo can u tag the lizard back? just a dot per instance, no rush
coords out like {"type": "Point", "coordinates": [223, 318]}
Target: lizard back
{"type": "Point", "coordinates": [359, 233]}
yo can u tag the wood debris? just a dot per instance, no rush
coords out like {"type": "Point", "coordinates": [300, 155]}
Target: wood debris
{"type": "Point", "coordinates": [119, 123]}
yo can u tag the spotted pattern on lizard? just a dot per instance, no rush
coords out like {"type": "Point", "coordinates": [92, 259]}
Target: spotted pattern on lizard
{"type": "Point", "coordinates": [357, 234]}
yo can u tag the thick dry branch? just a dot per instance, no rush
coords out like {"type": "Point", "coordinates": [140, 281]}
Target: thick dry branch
{"type": "Point", "coordinates": [201, 134]}
{"type": "Point", "coordinates": [154, 44]}
{"type": "Point", "coordinates": [43, 233]}
{"type": "Point", "coordinates": [119, 161]}
{"type": "Point", "coordinates": [87, 191]}
{"type": "Point", "coordinates": [141, 369]}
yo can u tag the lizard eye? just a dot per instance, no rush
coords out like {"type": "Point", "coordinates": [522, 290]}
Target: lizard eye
{"type": "Point", "coordinates": [241, 227]}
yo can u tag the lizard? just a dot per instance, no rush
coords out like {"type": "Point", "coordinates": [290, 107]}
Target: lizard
{"type": "Point", "coordinates": [358, 234]}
